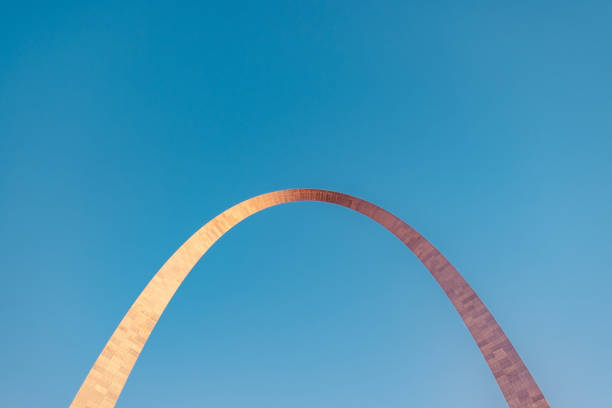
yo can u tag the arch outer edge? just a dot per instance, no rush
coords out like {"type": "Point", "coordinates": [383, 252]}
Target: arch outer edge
{"type": "Point", "coordinates": [109, 373]}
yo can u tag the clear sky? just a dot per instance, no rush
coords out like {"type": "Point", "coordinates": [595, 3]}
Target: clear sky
{"type": "Point", "coordinates": [485, 125]}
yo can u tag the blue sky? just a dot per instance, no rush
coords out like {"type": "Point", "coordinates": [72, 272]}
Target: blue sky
{"type": "Point", "coordinates": [125, 127]}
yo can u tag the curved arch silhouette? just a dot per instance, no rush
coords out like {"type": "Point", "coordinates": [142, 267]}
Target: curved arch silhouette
{"type": "Point", "coordinates": [109, 373]}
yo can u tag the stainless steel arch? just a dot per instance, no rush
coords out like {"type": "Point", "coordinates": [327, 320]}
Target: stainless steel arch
{"type": "Point", "coordinates": [109, 373]}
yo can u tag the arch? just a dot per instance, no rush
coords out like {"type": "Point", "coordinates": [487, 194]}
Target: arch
{"type": "Point", "coordinates": [109, 373]}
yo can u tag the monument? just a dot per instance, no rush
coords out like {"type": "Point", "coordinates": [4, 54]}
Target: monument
{"type": "Point", "coordinates": [109, 373]}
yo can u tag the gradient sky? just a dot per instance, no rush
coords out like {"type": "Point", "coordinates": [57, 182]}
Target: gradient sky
{"type": "Point", "coordinates": [487, 127]}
